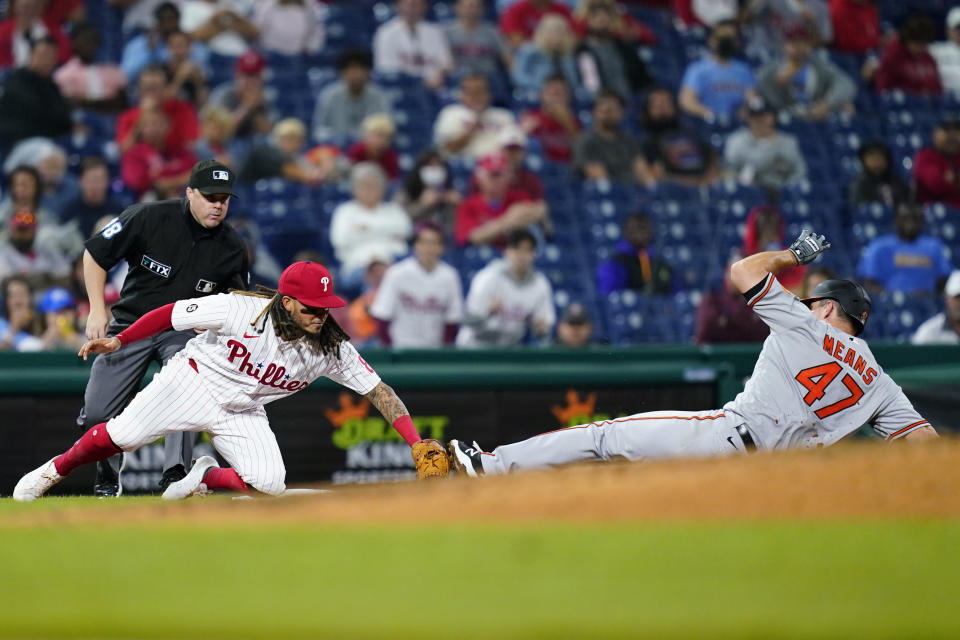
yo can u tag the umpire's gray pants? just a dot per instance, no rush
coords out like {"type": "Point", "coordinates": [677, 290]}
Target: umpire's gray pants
{"type": "Point", "coordinates": [116, 377]}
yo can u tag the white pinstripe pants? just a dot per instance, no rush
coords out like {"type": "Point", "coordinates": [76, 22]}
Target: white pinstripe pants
{"type": "Point", "coordinates": [176, 400]}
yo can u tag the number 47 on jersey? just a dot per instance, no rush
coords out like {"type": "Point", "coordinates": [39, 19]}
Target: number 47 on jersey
{"type": "Point", "coordinates": [816, 380]}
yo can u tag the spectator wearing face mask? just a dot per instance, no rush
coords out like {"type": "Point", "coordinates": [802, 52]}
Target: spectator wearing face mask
{"type": "Point", "coordinates": [716, 85]}
{"type": "Point", "coordinates": [427, 193]}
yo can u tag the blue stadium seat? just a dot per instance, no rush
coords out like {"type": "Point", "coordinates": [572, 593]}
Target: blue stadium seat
{"type": "Point", "coordinates": [902, 314]}
{"type": "Point", "coordinates": [943, 222]}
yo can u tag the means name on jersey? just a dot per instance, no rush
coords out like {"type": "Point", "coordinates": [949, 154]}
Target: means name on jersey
{"type": "Point", "coordinates": [849, 356]}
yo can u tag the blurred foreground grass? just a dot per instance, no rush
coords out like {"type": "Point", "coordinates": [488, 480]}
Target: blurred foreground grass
{"type": "Point", "coordinates": [808, 579]}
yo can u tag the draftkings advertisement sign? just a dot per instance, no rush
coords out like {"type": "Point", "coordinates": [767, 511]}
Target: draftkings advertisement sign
{"type": "Point", "coordinates": [337, 436]}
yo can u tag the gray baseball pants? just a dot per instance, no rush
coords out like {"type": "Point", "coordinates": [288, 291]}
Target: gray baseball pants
{"type": "Point", "coordinates": [116, 377]}
{"type": "Point", "coordinates": [642, 436]}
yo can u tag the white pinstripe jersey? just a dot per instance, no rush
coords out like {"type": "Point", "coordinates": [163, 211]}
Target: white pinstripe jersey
{"type": "Point", "coordinates": [243, 369]}
{"type": "Point", "coordinates": [814, 384]}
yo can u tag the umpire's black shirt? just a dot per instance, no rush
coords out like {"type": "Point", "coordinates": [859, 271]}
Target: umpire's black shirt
{"type": "Point", "coordinates": [171, 256]}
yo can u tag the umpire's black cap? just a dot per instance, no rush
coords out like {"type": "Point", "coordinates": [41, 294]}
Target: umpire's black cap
{"type": "Point", "coordinates": [210, 177]}
{"type": "Point", "coordinates": [852, 298]}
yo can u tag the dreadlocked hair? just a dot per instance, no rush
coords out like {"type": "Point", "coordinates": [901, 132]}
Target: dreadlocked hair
{"type": "Point", "coordinates": [328, 340]}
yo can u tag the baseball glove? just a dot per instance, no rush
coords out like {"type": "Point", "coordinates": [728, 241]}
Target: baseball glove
{"type": "Point", "coordinates": [431, 459]}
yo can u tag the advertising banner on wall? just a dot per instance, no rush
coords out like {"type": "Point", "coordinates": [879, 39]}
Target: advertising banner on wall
{"type": "Point", "coordinates": [337, 436]}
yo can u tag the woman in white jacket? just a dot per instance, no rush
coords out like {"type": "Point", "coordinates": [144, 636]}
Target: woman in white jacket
{"type": "Point", "coordinates": [367, 228]}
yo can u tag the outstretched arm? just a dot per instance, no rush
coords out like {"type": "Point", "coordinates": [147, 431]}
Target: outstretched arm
{"type": "Point", "coordinates": [388, 403]}
{"type": "Point", "coordinates": [746, 273]}
{"type": "Point", "coordinates": [149, 324]}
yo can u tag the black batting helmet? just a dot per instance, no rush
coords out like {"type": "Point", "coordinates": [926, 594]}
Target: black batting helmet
{"type": "Point", "coordinates": [851, 297]}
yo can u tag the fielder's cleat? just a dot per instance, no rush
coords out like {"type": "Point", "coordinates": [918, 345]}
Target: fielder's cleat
{"type": "Point", "coordinates": [37, 482]}
{"type": "Point", "coordinates": [107, 484]}
{"type": "Point", "coordinates": [466, 458]}
{"type": "Point", "coordinates": [171, 475]}
{"type": "Point", "coordinates": [192, 483]}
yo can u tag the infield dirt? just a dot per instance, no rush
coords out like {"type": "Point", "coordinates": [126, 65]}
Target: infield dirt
{"type": "Point", "coordinates": [852, 480]}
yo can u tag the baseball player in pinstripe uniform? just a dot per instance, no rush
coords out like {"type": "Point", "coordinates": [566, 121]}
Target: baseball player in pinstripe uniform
{"type": "Point", "coordinates": [256, 348]}
{"type": "Point", "coordinates": [814, 383]}
{"type": "Point", "coordinates": [176, 249]}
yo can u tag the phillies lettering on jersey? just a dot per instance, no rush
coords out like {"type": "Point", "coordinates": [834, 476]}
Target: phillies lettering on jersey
{"type": "Point", "coordinates": [272, 376]}
{"type": "Point", "coordinates": [244, 367]}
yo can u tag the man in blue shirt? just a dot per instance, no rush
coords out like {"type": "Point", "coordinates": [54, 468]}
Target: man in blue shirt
{"type": "Point", "coordinates": [151, 46]}
{"type": "Point", "coordinates": [715, 86]}
{"type": "Point", "coordinates": [906, 261]}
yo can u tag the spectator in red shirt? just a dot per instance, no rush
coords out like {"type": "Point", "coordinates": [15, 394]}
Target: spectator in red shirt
{"type": "Point", "coordinates": [150, 163]}
{"type": "Point", "coordinates": [485, 217]}
{"type": "Point", "coordinates": [906, 64]}
{"type": "Point", "coordinates": [60, 12]}
{"type": "Point", "coordinates": [554, 124]}
{"type": "Point", "coordinates": [625, 27]}
{"type": "Point", "coordinates": [856, 26]}
{"type": "Point", "coordinates": [151, 87]}
{"type": "Point", "coordinates": [520, 21]}
{"type": "Point", "coordinates": [936, 170]}
{"type": "Point", "coordinates": [513, 145]}
{"type": "Point", "coordinates": [25, 25]}
{"type": "Point", "coordinates": [724, 316]}
{"type": "Point", "coordinates": [378, 130]}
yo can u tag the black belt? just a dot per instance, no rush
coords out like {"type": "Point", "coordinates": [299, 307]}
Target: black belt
{"type": "Point", "coordinates": [748, 442]}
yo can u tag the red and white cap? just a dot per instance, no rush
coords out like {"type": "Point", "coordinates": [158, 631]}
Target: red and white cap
{"type": "Point", "coordinates": [311, 284]}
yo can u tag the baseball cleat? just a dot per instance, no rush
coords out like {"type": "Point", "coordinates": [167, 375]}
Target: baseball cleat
{"type": "Point", "coordinates": [37, 482]}
{"type": "Point", "coordinates": [192, 483]}
{"type": "Point", "coordinates": [466, 458]}
{"type": "Point", "coordinates": [171, 475]}
{"type": "Point", "coordinates": [107, 484]}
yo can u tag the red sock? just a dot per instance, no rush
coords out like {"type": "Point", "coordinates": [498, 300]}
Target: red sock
{"type": "Point", "coordinates": [92, 446]}
{"type": "Point", "coordinates": [404, 426]}
{"type": "Point", "coordinates": [228, 478]}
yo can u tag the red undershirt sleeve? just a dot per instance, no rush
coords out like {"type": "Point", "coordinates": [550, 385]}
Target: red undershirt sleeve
{"type": "Point", "coordinates": [149, 324]}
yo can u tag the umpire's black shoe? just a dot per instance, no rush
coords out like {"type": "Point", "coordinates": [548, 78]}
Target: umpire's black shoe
{"type": "Point", "coordinates": [107, 484]}
{"type": "Point", "coordinates": [466, 458]}
{"type": "Point", "coordinates": [173, 474]}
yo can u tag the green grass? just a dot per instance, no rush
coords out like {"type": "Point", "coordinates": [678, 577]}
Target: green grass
{"type": "Point", "coordinates": [816, 580]}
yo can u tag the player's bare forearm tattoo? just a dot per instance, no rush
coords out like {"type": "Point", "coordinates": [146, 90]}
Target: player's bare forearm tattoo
{"type": "Point", "coordinates": [385, 399]}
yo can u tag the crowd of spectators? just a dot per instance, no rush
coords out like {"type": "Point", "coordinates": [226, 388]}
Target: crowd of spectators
{"type": "Point", "coordinates": [440, 224]}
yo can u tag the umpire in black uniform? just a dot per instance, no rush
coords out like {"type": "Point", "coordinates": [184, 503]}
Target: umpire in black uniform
{"type": "Point", "coordinates": [175, 249]}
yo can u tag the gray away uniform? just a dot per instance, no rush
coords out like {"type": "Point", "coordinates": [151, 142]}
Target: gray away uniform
{"type": "Point", "coordinates": [812, 385]}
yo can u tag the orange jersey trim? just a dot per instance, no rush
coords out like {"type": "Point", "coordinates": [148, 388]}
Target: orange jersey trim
{"type": "Point", "coordinates": [627, 419]}
{"type": "Point", "coordinates": [763, 293]}
{"type": "Point", "coordinates": [907, 428]}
